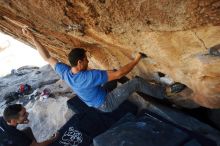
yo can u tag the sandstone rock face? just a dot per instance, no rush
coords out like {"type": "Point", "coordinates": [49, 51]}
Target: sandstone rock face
{"type": "Point", "coordinates": [175, 34]}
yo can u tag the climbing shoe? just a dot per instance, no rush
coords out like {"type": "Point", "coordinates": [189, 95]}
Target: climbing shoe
{"type": "Point", "coordinates": [177, 87]}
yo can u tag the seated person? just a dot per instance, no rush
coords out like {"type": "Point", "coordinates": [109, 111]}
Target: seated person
{"type": "Point", "coordinates": [10, 136]}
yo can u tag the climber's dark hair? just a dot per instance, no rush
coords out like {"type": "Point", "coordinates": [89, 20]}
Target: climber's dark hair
{"type": "Point", "coordinates": [12, 112]}
{"type": "Point", "coordinates": [75, 55]}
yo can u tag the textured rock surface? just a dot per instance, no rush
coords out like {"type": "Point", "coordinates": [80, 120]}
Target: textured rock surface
{"type": "Point", "coordinates": [175, 34]}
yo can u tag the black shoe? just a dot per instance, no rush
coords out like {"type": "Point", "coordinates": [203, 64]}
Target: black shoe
{"type": "Point", "coordinates": [177, 87]}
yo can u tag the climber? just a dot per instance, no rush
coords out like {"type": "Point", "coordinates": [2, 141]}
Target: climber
{"type": "Point", "coordinates": [10, 136]}
{"type": "Point", "coordinates": [87, 83]}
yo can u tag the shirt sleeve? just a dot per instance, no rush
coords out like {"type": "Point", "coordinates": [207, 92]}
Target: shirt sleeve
{"type": "Point", "coordinates": [61, 68]}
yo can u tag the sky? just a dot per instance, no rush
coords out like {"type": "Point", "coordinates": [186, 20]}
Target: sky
{"type": "Point", "coordinates": [15, 54]}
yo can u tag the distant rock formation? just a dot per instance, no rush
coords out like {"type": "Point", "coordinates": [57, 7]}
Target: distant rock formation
{"type": "Point", "coordinates": [176, 35]}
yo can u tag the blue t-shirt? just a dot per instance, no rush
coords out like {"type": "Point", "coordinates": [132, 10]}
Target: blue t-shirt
{"type": "Point", "coordinates": [86, 84]}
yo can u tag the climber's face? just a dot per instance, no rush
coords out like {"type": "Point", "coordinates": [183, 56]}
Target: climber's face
{"type": "Point", "coordinates": [83, 63]}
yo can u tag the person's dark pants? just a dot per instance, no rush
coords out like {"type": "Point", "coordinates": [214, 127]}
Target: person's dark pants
{"type": "Point", "coordinates": [121, 93]}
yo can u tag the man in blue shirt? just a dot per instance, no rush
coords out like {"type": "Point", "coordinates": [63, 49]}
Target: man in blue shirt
{"type": "Point", "coordinates": [88, 84]}
{"type": "Point", "coordinates": [9, 134]}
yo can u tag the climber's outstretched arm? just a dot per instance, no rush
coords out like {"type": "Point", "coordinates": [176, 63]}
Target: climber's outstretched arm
{"type": "Point", "coordinates": [124, 70]}
{"type": "Point", "coordinates": [40, 48]}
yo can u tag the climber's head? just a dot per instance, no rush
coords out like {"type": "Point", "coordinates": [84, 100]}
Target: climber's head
{"type": "Point", "coordinates": [77, 58]}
